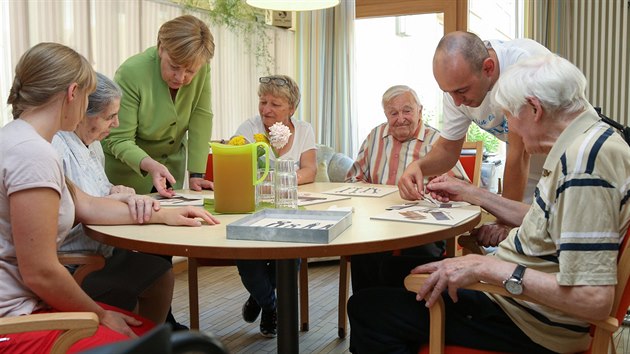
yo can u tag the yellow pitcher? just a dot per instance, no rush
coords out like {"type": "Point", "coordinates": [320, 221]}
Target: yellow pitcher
{"type": "Point", "coordinates": [235, 169]}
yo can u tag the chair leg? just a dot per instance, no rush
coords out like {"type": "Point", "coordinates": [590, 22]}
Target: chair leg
{"type": "Point", "coordinates": [304, 294]}
{"type": "Point", "coordinates": [193, 293]}
{"type": "Point", "coordinates": [451, 248]}
{"type": "Point", "coordinates": [344, 281]}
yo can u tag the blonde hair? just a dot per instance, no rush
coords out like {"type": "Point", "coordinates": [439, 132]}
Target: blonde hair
{"type": "Point", "coordinates": [187, 40]}
{"type": "Point", "coordinates": [46, 70]}
{"type": "Point", "coordinates": [290, 90]}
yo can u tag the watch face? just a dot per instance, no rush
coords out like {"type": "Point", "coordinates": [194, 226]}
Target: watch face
{"type": "Point", "coordinates": [513, 287]}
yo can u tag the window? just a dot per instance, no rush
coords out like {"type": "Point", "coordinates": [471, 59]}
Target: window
{"type": "Point", "coordinates": [392, 50]}
{"type": "Point", "coordinates": [396, 51]}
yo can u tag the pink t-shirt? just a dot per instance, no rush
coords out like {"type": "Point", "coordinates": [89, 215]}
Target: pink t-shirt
{"type": "Point", "coordinates": [27, 161]}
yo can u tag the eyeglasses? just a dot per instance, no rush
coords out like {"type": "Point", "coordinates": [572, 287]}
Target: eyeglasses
{"type": "Point", "coordinates": [278, 81]}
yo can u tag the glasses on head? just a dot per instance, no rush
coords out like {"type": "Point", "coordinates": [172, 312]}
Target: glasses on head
{"type": "Point", "coordinates": [278, 81]}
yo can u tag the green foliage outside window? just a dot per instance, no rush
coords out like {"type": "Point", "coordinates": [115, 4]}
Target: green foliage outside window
{"type": "Point", "coordinates": [490, 142]}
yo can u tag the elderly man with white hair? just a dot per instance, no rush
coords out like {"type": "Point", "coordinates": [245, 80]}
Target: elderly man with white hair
{"type": "Point", "coordinates": [384, 155]}
{"type": "Point", "coordinates": [564, 254]}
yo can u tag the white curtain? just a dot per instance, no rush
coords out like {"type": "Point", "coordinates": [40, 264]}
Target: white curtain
{"type": "Point", "coordinates": [325, 66]}
{"type": "Point", "coordinates": [595, 36]}
{"type": "Point", "coordinates": [108, 32]}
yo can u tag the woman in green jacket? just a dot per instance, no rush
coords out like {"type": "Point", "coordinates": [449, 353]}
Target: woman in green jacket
{"type": "Point", "coordinates": [166, 95]}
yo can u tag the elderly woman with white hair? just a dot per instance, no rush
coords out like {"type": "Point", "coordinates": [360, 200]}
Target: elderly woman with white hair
{"type": "Point", "coordinates": [130, 280]}
{"type": "Point", "coordinates": [564, 254]}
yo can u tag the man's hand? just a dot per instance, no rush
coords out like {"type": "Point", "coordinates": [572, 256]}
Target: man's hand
{"type": "Point", "coordinates": [451, 273]}
{"type": "Point", "coordinates": [198, 184]}
{"type": "Point", "coordinates": [411, 183]}
{"type": "Point", "coordinates": [490, 234]}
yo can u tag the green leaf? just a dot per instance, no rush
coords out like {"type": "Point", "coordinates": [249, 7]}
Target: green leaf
{"type": "Point", "coordinates": [260, 151]}
{"type": "Point", "coordinates": [490, 142]}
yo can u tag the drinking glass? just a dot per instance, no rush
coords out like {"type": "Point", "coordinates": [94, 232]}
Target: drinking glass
{"type": "Point", "coordinates": [286, 184]}
{"type": "Point", "coordinates": [265, 190]}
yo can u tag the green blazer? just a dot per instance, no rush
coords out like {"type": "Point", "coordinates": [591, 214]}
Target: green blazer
{"type": "Point", "coordinates": [151, 124]}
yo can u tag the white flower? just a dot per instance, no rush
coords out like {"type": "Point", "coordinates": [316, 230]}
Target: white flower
{"type": "Point", "coordinates": [279, 135]}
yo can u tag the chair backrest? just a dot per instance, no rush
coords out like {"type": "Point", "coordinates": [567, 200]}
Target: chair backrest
{"type": "Point", "coordinates": [470, 158]}
{"type": "Point", "coordinates": [331, 166]}
{"type": "Point", "coordinates": [622, 290]}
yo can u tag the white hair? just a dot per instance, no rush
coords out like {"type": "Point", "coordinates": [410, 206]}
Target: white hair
{"type": "Point", "coordinates": [558, 84]}
{"type": "Point", "coordinates": [396, 91]}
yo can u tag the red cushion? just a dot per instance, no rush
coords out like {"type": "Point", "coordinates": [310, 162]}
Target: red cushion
{"type": "Point", "coordinates": [468, 163]}
{"type": "Point", "coordinates": [42, 341]}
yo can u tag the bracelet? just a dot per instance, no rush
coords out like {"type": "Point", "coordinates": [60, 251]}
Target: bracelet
{"type": "Point", "coordinates": [197, 175]}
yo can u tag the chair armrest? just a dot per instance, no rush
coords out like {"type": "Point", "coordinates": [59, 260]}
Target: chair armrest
{"type": "Point", "coordinates": [75, 326]}
{"type": "Point", "coordinates": [414, 282]}
{"type": "Point", "coordinates": [87, 262]}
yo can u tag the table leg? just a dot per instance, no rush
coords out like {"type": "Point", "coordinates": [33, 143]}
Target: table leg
{"type": "Point", "coordinates": [286, 276]}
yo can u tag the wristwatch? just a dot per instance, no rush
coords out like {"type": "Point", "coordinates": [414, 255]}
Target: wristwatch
{"type": "Point", "coordinates": [196, 175]}
{"type": "Point", "coordinates": [514, 284]}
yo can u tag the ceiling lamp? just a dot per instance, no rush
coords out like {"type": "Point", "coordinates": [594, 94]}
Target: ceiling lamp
{"type": "Point", "coordinates": [293, 5]}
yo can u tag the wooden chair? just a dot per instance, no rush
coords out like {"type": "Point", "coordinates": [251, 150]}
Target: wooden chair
{"type": "Point", "coordinates": [74, 325]}
{"type": "Point", "coordinates": [470, 159]}
{"type": "Point", "coordinates": [87, 263]}
{"type": "Point", "coordinates": [601, 331]}
{"type": "Point", "coordinates": [193, 287]}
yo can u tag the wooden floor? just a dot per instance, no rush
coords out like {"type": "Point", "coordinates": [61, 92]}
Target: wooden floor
{"type": "Point", "coordinates": [221, 296]}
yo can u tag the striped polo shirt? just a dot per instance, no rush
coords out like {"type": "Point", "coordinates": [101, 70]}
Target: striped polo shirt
{"type": "Point", "coordinates": [574, 227]}
{"type": "Point", "coordinates": [383, 159]}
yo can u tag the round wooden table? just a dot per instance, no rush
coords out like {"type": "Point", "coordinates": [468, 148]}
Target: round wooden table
{"type": "Point", "coordinates": [363, 236]}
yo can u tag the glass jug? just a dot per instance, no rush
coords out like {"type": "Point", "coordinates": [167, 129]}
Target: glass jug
{"type": "Point", "coordinates": [235, 170]}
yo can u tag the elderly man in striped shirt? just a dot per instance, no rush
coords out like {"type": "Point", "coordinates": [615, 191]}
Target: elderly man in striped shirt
{"type": "Point", "coordinates": [564, 254]}
{"type": "Point", "coordinates": [386, 152]}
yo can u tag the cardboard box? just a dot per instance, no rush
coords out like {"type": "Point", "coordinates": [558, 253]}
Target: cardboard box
{"type": "Point", "coordinates": [279, 18]}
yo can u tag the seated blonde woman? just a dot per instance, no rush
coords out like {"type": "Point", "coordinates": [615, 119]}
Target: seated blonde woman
{"type": "Point", "coordinates": [278, 98]}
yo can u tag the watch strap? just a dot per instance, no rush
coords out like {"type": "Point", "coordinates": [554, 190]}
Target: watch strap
{"type": "Point", "coordinates": [196, 175]}
{"type": "Point", "coordinates": [519, 272]}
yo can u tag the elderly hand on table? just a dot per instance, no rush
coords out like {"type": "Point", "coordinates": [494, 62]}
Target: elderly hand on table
{"type": "Point", "coordinates": [121, 189]}
{"type": "Point", "coordinates": [140, 206]}
{"type": "Point", "coordinates": [445, 188]}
